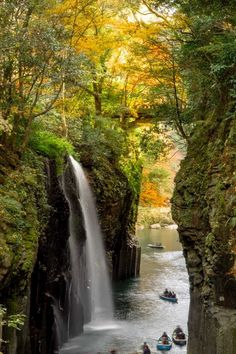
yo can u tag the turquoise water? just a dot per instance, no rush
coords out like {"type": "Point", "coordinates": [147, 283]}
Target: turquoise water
{"type": "Point", "coordinates": [140, 315]}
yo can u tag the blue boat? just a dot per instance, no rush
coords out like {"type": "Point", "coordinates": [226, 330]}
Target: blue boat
{"type": "Point", "coordinates": [168, 298]}
{"type": "Point", "coordinates": [164, 343]}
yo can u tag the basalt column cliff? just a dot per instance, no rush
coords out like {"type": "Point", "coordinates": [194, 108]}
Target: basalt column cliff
{"type": "Point", "coordinates": [204, 206]}
{"type": "Point", "coordinates": [115, 211]}
{"type": "Point", "coordinates": [35, 261]}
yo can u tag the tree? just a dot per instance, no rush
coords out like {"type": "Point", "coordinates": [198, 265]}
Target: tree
{"type": "Point", "coordinates": [31, 68]}
{"type": "Point", "coordinates": [94, 35]}
{"type": "Point", "coordinates": [205, 32]}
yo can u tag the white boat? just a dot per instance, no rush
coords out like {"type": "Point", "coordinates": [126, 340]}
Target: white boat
{"type": "Point", "coordinates": [156, 245]}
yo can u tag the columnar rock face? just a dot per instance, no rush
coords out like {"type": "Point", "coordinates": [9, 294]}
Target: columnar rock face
{"type": "Point", "coordinates": [35, 262]}
{"type": "Point", "coordinates": [204, 207]}
{"type": "Point", "coordinates": [117, 206]}
{"type": "Point", "coordinates": [50, 278]}
{"type": "Point", "coordinates": [127, 262]}
{"type": "Point", "coordinates": [24, 214]}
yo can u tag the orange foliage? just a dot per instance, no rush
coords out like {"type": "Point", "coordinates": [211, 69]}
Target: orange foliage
{"type": "Point", "coordinates": [150, 196]}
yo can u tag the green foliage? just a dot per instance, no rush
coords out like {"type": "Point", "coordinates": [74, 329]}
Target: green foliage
{"type": "Point", "coordinates": [102, 138]}
{"type": "Point", "coordinates": [210, 239]}
{"type": "Point", "coordinates": [152, 143]}
{"type": "Point", "coordinates": [133, 171]}
{"type": "Point", "coordinates": [32, 66]}
{"type": "Point", "coordinates": [22, 194]}
{"type": "Point", "coordinates": [15, 321]}
{"type": "Point", "coordinates": [50, 145]}
{"type": "Point", "coordinates": [3, 310]}
{"type": "Point", "coordinates": [158, 175]}
{"type": "Point", "coordinates": [98, 135]}
{"type": "Point", "coordinates": [233, 222]}
{"type": "Point", "coordinates": [207, 58]}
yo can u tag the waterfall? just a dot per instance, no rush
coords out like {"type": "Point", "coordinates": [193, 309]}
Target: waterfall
{"type": "Point", "coordinates": [91, 253]}
{"type": "Point", "coordinates": [60, 332]}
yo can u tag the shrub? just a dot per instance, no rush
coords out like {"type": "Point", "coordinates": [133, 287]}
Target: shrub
{"type": "Point", "coordinates": [52, 146]}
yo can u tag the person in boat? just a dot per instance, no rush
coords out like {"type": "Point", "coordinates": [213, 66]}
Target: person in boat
{"type": "Point", "coordinates": [181, 335]}
{"type": "Point", "coordinates": [164, 335]}
{"type": "Point", "coordinates": [178, 330]}
{"type": "Point", "coordinates": [146, 349]}
{"type": "Point", "coordinates": [172, 294]}
{"type": "Point", "coordinates": [164, 338]}
{"type": "Point", "coordinates": [143, 345]}
{"type": "Point", "coordinates": [166, 292]}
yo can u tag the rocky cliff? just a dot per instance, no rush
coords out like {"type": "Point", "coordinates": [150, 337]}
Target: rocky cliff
{"type": "Point", "coordinates": [24, 214]}
{"type": "Point", "coordinates": [34, 257]}
{"type": "Point", "coordinates": [204, 207]}
{"type": "Point", "coordinates": [117, 206]}
{"type": "Point", "coordinates": [50, 278]}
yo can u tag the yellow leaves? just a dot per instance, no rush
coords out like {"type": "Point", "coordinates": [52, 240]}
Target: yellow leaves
{"type": "Point", "coordinates": [93, 26]}
{"type": "Point", "coordinates": [94, 44]}
{"type": "Point", "coordinates": [150, 196]}
{"type": "Point", "coordinates": [129, 50]}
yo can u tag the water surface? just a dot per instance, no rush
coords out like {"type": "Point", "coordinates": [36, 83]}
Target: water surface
{"type": "Point", "coordinates": [139, 312]}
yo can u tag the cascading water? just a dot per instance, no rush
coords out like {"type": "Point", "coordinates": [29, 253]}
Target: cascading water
{"type": "Point", "coordinates": [90, 256]}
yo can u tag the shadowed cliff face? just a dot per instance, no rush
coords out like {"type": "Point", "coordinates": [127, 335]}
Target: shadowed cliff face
{"type": "Point", "coordinates": [51, 277]}
{"type": "Point", "coordinates": [24, 214]}
{"type": "Point", "coordinates": [35, 266]}
{"type": "Point", "coordinates": [204, 207]}
{"type": "Point", "coordinates": [51, 321]}
{"type": "Point", "coordinates": [117, 209]}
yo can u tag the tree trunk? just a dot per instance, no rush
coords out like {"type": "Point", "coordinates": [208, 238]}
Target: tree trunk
{"type": "Point", "coordinates": [97, 99]}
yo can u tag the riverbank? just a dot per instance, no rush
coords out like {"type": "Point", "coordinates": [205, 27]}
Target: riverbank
{"type": "Point", "coordinates": [148, 216]}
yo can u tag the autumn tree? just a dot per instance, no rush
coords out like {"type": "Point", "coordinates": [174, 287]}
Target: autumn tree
{"type": "Point", "coordinates": [95, 36]}
{"type": "Point", "coordinates": [32, 67]}
{"type": "Point", "coordinates": [203, 41]}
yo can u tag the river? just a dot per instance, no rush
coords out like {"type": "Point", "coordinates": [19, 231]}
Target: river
{"type": "Point", "coordinates": [140, 315]}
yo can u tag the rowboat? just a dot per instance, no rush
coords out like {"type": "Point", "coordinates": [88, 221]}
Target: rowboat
{"type": "Point", "coordinates": [177, 340]}
{"type": "Point", "coordinates": [156, 245]}
{"type": "Point", "coordinates": [168, 298]}
{"type": "Point", "coordinates": [164, 343]}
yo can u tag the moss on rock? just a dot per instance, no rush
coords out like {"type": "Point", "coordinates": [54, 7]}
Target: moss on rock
{"type": "Point", "coordinates": [204, 206]}
{"type": "Point", "coordinates": [23, 215]}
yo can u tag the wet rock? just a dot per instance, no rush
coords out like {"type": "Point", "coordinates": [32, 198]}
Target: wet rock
{"type": "Point", "coordinates": [171, 227]}
{"type": "Point", "coordinates": [155, 226]}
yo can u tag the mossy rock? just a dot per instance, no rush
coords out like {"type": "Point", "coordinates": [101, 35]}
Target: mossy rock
{"type": "Point", "coordinates": [23, 213]}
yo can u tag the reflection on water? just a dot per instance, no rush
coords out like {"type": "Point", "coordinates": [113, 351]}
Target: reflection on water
{"type": "Point", "coordinates": [141, 315]}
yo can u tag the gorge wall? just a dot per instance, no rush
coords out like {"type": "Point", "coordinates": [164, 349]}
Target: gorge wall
{"type": "Point", "coordinates": [117, 206]}
{"type": "Point", "coordinates": [34, 262]}
{"type": "Point", "coordinates": [24, 214]}
{"type": "Point", "coordinates": [204, 207]}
